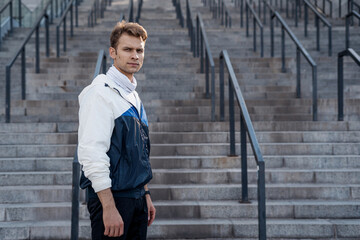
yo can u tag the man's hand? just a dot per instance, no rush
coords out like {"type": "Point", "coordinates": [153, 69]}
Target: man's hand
{"type": "Point", "coordinates": [114, 225]}
{"type": "Point", "coordinates": [151, 209]}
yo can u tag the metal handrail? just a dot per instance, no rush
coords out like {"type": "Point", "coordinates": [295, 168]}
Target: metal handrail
{"type": "Point", "coordinates": [100, 64]}
{"type": "Point", "coordinates": [347, 22]}
{"type": "Point", "coordinates": [191, 28]}
{"type": "Point", "coordinates": [140, 3]}
{"type": "Point", "coordinates": [92, 16]}
{"type": "Point", "coordinates": [179, 14]}
{"type": "Point", "coordinates": [95, 10]}
{"type": "Point", "coordinates": [3, 8]}
{"type": "Point", "coordinates": [318, 17]}
{"type": "Point", "coordinates": [224, 14]}
{"type": "Point", "coordinates": [256, 20]}
{"type": "Point", "coordinates": [63, 21]}
{"type": "Point", "coordinates": [299, 49]}
{"type": "Point", "coordinates": [348, 52]}
{"type": "Point", "coordinates": [246, 127]}
{"type": "Point", "coordinates": [130, 15]}
{"type": "Point", "coordinates": [202, 42]}
{"type": "Point", "coordinates": [351, 4]}
{"type": "Point", "coordinates": [23, 60]}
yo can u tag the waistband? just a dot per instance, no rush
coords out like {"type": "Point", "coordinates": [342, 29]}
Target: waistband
{"type": "Point", "coordinates": [132, 193]}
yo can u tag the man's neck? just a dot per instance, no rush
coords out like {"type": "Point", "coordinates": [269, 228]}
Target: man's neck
{"type": "Point", "coordinates": [130, 76]}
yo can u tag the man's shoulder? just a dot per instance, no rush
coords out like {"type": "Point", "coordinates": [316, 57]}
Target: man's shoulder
{"type": "Point", "coordinates": [97, 88]}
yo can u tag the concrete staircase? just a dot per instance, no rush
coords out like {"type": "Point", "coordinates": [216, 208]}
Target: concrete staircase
{"type": "Point", "coordinates": [312, 168]}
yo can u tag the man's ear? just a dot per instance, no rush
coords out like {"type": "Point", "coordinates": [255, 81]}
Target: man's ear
{"type": "Point", "coordinates": [112, 52]}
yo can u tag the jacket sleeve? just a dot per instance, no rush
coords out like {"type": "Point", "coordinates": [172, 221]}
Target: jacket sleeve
{"type": "Point", "coordinates": [96, 123]}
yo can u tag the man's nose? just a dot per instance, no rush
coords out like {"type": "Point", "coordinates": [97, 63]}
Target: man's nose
{"type": "Point", "coordinates": [135, 55]}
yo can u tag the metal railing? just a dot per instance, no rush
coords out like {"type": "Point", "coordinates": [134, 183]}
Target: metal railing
{"type": "Point", "coordinates": [347, 24]}
{"type": "Point", "coordinates": [224, 14]}
{"type": "Point", "coordinates": [256, 20]}
{"type": "Point", "coordinates": [348, 52]}
{"type": "Point", "coordinates": [21, 51]}
{"type": "Point", "coordinates": [10, 5]}
{"type": "Point", "coordinates": [179, 14]}
{"type": "Point", "coordinates": [330, 7]}
{"type": "Point", "coordinates": [318, 17]}
{"type": "Point", "coordinates": [203, 48]}
{"type": "Point", "coordinates": [140, 3]}
{"type": "Point", "coordinates": [299, 50]}
{"type": "Point", "coordinates": [97, 10]}
{"type": "Point", "coordinates": [191, 28]}
{"type": "Point", "coordinates": [245, 127]}
{"type": "Point", "coordinates": [351, 5]}
{"type": "Point", "coordinates": [100, 66]}
{"type": "Point", "coordinates": [130, 15]}
{"type": "Point", "coordinates": [63, 22]}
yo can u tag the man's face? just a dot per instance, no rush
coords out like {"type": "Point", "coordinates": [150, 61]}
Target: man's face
{"type": "Point", "coordinates": [129, 55]}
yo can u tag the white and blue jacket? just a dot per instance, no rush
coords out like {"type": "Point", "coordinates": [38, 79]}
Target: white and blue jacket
{"type": "Point", "coordinates": [114, 144]}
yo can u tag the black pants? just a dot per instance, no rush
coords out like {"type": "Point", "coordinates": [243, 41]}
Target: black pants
{"type": "Point", "coordinates": [133, 211]}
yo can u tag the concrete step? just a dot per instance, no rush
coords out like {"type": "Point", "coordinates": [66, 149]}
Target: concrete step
{"type": "Point", "coordinates": [263, 137]}
{"type": "Point", "coordinates": [273, 191]}
{"type": "Point", "coordinates": [187, 176]}
{"type": "Point", "coordinates": [199, 229]}
{"type": "Point", "coordinates": [171, 210]}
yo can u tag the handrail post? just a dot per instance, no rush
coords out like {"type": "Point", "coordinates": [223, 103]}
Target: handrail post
{"type": "Point", "coordinates": [241, 13]}
{"type": "Point", "coordinates": [51, 11]}
{"type": "Point", "coordinates": [330, 42]}
{"type": "Point", "coordinates": [347, 38]}
{"type": "Point", "coordinates": [262, 41]}
{"type": "Point", "coordinates": [244, 175]}
{"type": "Point", "coordinates": [11, 17]}
{"type": "Point", "coordinates": [75, 199]}
{"type": "Point", "coordinates": [207, 75]}
{"type": "Point", "coordinates": [287, 9]}
{"type": "Point", "coordinates": [254, 33]}
{"type": "Point", "coordinates": [201, 53]}
{"type": "Point", "coordinates": [298, 76]}
{"type": "Point", "coordinates": [272, 36]}
{"type": "Point", "coordinates": [296, 12]}
{"type": "Point", "coordinates": [197, 36]}
{"type": "Point", "coordinates": [212, 93]}
{"type": "Point", "coordinates": [264, 9]}
{"type": "Point", "coordinates": [261, 201]}
{"type": "Point", "coordinates": [76, 14]}
{"type": "Point", "coordinates": [231, 119]}
{"type": "Point", "coordinates": [340, 88]}
{"type": "Point", "coordinates": [339, 8]}
{"type": "Point", "coordinates": [23, 80]}
{"type": "Point", "coordinates": [283, 49]}
{"type": "Point", "coordinates": [104, 64]}
{"type": "Point", "coordinates": [221, 81]}
{"type": "Point", "coordinates": [222, 12]}
{"type": "Point", "coordinates": [57, 41]}
{"type": "Point", "coordinates": [47, 35]}
{"type": "Point", "coordinates": [247, 19]}
{"type": "Point", "coordinates": [20, 18]}
{"type": "Point", "coordinates": [71, 22]}
{"type": "Point", "coordinates": [8, 95]}
{"type": "Point", "coordinates": [317, 33]}
{"type": "Point", "coordinates": [37, 55]}
{"type": "Point", "coordinates": [64, 34]}
{"type": "Point", "coordinates": [305, 20]}
{"type": "Point", "coordinates": [314, 72]}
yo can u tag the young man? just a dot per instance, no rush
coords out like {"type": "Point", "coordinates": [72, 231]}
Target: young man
{"type": "Point", "coordinates": [114, 144]}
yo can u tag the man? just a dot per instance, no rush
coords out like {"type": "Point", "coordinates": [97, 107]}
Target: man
{"type": "Point", "coordinates": [114, 144]}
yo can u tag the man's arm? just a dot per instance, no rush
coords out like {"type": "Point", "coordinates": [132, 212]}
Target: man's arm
{"type": "Point", "coordinates": [114, 225]}
{"type": "Point", "coordinates": [151, 208]}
